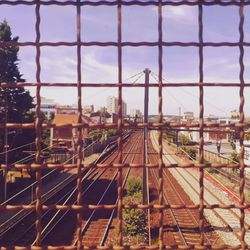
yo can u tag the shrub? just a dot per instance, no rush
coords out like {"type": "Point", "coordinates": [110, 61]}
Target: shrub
{"type": "Point", "coordinates": [235, 156]}
{"type": "Point", "coordinates": [184, 140]}
{"type": "Point", "coordinates": [133, 186]}
{"type": "Point", "coordinates": [134, 219]}
{"type": "Point", "coordinates": [190, 151]}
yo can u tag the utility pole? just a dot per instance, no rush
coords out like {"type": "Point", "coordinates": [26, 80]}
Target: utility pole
{"type": "Point", "coordinates": [145, 151]}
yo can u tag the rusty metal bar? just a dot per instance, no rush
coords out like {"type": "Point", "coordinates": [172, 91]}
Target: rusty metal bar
{"type": "Point", "coordinates": [125, 44]}
{"type": "Point", "coordinates": [201, 127]}
{"type": "Point", "coordinates": [242, 118]}
{"type": "Point", "coordinates": [78, 208]}
{"type": "Point", "coordinates": [126, 3]}
{"type": "Point", "coordinates": [124, 85]}
{"type": "Point", "coordinates": [38, 129]}
{"type": "Point", "coordinates": [119, 124]}
{"type": "Point", "coordinates": [160, 114]}
{"type": "Point", "coordinates": [79, 130]}
{"type": "Point", "coordinates": [116, 165]}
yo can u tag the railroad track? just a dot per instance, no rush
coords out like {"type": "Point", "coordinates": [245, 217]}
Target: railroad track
{"type": "Point", "coordinates": [96, 228]}
{"type": "Point", "coordinates": [19, 228]}
{"type": "Point", "coordinates": [96, 223]}
{"type": "Point", "coordinates": [181, 226]}
{"type": "Point", "coordinates": [227, 220]}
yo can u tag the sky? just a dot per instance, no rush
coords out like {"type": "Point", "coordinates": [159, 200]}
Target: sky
{"type": "Point", "coordinates": [139, 24]}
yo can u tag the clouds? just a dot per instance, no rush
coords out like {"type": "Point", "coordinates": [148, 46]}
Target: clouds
{"type": "Point", "coordinates": [181, 14]}
{"type": "Point", "coordinates": [180, 23]}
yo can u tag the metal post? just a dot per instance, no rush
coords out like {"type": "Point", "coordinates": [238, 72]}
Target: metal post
{"type": "Point", "coordinates": [145, 154]}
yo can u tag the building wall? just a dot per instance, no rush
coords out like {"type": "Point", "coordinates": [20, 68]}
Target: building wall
{"type": "Point", "coordinates": [247, 152]}
{"type": "Point", "coordinates": [112, 106]}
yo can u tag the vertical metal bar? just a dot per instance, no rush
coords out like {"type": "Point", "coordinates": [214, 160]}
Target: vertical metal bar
{"type": "Point", "coordinates": [5, 171]}
{"type": "Point", "coordinates": [79, 130]}
{"type": "Point", "coordinates": [160, 160]}
{"type": "Point", "coordinates": [38, 128]}
{"type": "Point", "coordinates": [145, 145]}
{"type": "Point", "coordinates": [119, 125]}
{"type": "Point", "coordinates": [201, 122]}
{"type": "Point", "coordinates": [242, 119]}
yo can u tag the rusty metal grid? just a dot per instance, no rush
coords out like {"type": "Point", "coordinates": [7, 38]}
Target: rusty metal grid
{"type": "Point", "coordinates": [201, 126]}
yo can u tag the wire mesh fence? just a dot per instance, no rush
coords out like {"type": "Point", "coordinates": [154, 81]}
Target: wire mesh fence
{"type": "Point", "coordinates": [121, 125]}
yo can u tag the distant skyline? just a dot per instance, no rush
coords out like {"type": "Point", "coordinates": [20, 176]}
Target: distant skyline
{"type": "Point", "coordinates": [139, 23]}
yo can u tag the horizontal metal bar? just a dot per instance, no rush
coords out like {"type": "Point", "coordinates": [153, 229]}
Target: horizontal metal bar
{"type": "Point", "coordinates": [125, 125]}
{"type": "Point", "coordinates": [114, 206]}
{"type": "Point", "coordinates": [126, 85]}
{"type": "Point", "coordinates": [126, 3]}
{"type": "Point", "coordinates": [127, 44]}
{"type": "Point", "coordinates": [36, 166]}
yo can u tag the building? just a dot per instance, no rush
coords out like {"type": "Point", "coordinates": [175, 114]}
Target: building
{"type": "Point", "coordinates": [66, 109]}
{"type": "Point", "coordinates": [99, 117]}
{"type": "Point", "coordinates": [66, 135]}
{"type": "Point", "coordinates": [88, 109]}
{"type": "Point", "coordinates": [234, 114]}
{"type": "Point", "coordinates": [188, 116]}
{"type": "Point", "coordinates": [246, 152]}
{"type": "Point", "coordinates": [136, 113]}
{"type": "Point", "coordinates": [112, 106]}
{"type": "Point", "coordinates": [48, 107]}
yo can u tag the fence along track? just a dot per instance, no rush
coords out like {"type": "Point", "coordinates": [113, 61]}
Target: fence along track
{"type": "Point", "coordinates": [182, 227]}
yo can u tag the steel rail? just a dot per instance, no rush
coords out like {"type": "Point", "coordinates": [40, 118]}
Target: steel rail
{"type": "Point", "coordinates": [13, 149]}
{"type": "Point", "coordinates": [231, 176]}
{"type": "Point", "coordinates": [84, 229]}
{"type": "Point", "coordinates": [104, 237]}
{"type": "Point", "coordinates": [234, 214]}
{"type": "Point", "coordinates": [43, 216]}
{"type": "Point", "coordinates": [182, 201]}
{"type": "Point", "coordinates": [22, 214]}
{"type": "Point", "coordinates": [178, 194]}
{"type": "Point", "coordinates": [172, 215]}
{"type": "Point", "coordinates": [47, 230]}
{"type": "Point", "coordinates": [34, 183]}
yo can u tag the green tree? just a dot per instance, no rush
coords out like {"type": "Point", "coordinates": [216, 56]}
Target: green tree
{"type": "Point", "coordinates": [15, 103]}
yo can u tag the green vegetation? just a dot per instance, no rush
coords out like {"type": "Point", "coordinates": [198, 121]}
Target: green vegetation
{"type": "Point", "coordinates": [99, 133]}
{"type": "Point", "coordinates": [135, 221]}
{"type": "Point", "coordinates": [191, 152]}
{"type": "Point", "coordinates": [247, 136]}
{"type": "Point", "coordinates": [15, 103]}
{"type": "Point", "coordinates": [170, 136]}
{"type": "Point", "coordinates": [133, 186]}
{"type": "Point", "coordinates": [185, 140]}
{"type": "Point", "coordinates": [235, 156]}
